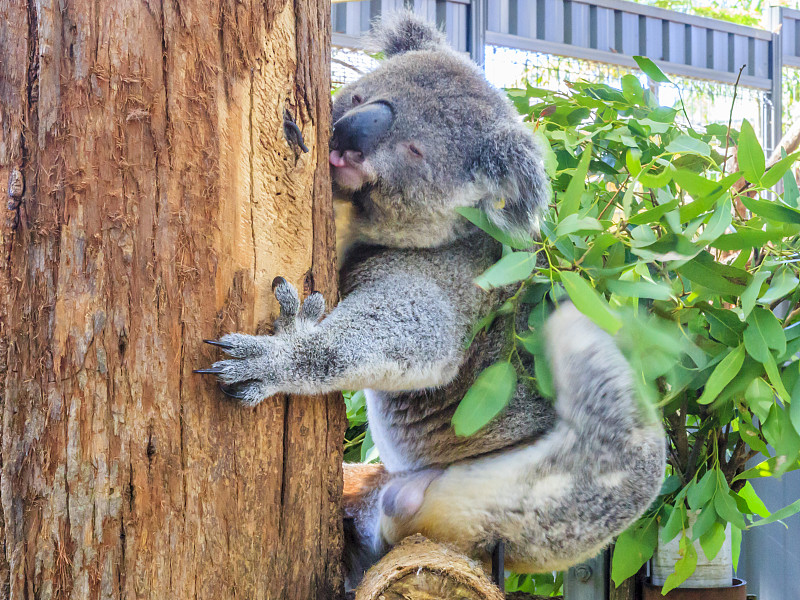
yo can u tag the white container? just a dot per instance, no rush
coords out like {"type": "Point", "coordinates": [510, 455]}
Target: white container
{"type": "Point", "coordinates": [709, 573]}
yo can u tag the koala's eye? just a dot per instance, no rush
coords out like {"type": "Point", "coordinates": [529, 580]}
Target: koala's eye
{"type": "Point", "coordinates": [357, 99]}
{"type": "Point", "coordinates": [416, 152]}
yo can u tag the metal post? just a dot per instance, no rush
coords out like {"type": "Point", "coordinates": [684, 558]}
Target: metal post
{"type": "Point", "coordinates": [773, 127]}
{"type": "Point", "coordinates": [477, 31]}
{"type": "Point", "coordinates": [588, 580]}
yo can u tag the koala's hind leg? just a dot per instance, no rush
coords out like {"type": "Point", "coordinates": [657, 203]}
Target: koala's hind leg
{"type": "Point", "coordinates": [559, 500]}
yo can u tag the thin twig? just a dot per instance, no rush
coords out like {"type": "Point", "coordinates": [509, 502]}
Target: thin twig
{"type": "Point", "coordinates": [730, 120]}
{"type": "Point", "coordinates": [348, 65]}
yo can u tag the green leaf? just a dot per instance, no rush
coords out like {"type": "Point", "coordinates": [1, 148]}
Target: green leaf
{"type": "Point", "coordinates": [489, 395]}
{"type": "Point", "coordinates": [778, 170]}
{"type": "Point", "coordinates": [752, 292]}
{"type": "Point", "coordinates": [745, 238]}
{"type": "Point", "coordinates": [718, 223]}
{"type": "Point", "coordinates": [705, 271]}
{"type": "Point", "coordinates": [722, 375]}
{"type": "Point", "coordinates": [369, 452]}
{"type": "Point", "coordinates": [654, 214]}
{"type": "Point", "coordinates": [764, 332]}
{"type": "Point", "coordinates": [794, 407]}
{"type": "Point", "coordinates": [752, 438]}
{"type": "Point", "coordinates": [651, 70]}
{"type": "Point", "coordinates": [783, 283]}
{"type": "Point", "coordinates": [671, 483]}
{"type": "Point", "coordinates": [632, 549]}
{"type": "Point", "coordinates": [724, 326]}
{"type": "Point", "coordinates": [633, 161]}
{"type": "Point", "coordinates": [700, 493]}
{"type": "Point", "coordinates": [654, 180]}
{"type": "Point", "coordinates": [672, 246]}
{"type": "Point", "coordinates": [754, 503]}
{"type": "Point", "coordinates": [791, 193]}
{"type": "Point", "coordinates": [511, 268]}
{"type": "Point", "coordinates": [639, 289]}
{"type": "Point", "coordinates": [589, 302]}
{"type": "Point", "coordinates": [704, 521]}
{"type": "Point", "coordinates": [676, 522]}
{"type": "Point", "coordinates": [750, 154]}
{"type": "Point", "coordinates": [726, 507]}
{"type": "Point", "coordinates": [774, 210]}
{"type": "Point", "coordinates": [712, 540]}
{"type": "Point", "coordinates": [685, 143]}
{"type": "Point", "coordinates": [684, 566]}
{"type": "Point", "coordinates": [760, 398]}
{"type": "Point", "coordinates": [767, 468]}
{"type": "Point", "coordinates": [736, 546]}
{"type": "Point", "coordinates": [771, 367]}
{"type": "Point", "coordinates": [478, 217]}
{"type": "Point", "coordinates": [779, 515]}
{"type": "Point", "coordinates": [571, 201]}
{"type": "Point", "coordinates": [573, 224]}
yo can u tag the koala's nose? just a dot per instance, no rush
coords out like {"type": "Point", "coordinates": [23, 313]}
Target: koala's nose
{"type": "Point", "coordinates": [362, 128]}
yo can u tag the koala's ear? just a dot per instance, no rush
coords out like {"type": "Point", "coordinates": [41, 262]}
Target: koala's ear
{"type": "Point", "coordinates": [403, 31]}
{"type": "Point", "coordinates": [510, 166]}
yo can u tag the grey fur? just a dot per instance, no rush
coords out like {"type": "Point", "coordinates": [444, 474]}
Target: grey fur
{"type": "Point", "coordinates": [555, 483]}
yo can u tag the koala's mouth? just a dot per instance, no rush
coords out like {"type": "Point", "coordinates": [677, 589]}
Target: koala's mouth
{"type": "Point", "coordinates": [350, 169]}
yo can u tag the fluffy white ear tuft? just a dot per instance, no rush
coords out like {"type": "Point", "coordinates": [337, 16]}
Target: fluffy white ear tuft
{"type": "Point", "coordinates": [518, 190]}
{"type": "Point", "coordinates": [403, 31]}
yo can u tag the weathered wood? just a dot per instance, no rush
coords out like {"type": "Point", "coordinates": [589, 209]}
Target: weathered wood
{"type": "Point", "coordinates": [418, 569]}
{"type": "Point", "coordinates": [160, 199]}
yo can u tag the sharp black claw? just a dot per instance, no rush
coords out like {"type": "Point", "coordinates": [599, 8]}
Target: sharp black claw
{"type": "Point", "coordinates": [208, 371]}
{"type": "Point", "coordinates": [222, 345]}
{"type": "Point", "coordinates": [230, 392]}
{"type": "Point", "coordinates": [277, 281]}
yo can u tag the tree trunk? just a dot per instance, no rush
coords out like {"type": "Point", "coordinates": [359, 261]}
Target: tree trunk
{"type": "Point", "coordinates": [153, 196]}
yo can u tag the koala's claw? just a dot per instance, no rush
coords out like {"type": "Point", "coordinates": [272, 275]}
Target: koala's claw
{"type": "Point", "coordinates": [231, 391]}
{"type": "Point", "coordinates": [207, 371]}
{"type": "Point", "coordinates": [222, 345]}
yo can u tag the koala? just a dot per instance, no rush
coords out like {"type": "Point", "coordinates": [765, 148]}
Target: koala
{"type": "Point", "coordinates": [418, 137]}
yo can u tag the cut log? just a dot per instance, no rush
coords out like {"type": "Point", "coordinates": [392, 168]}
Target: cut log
{"type": "Point", "coordinates": [418, 569]}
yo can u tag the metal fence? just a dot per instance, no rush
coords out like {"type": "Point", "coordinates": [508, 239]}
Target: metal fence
{"type": "Point", "coordinates": [611, 32]}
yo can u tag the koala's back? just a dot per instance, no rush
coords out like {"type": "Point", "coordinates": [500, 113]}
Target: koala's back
{"type": "Point", "coordinates": [412, 429]}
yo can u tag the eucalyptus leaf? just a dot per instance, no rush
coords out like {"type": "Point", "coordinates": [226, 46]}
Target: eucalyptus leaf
{"type": "Point", "coordinates": [651, 69]}
{"type": "Point", "coordinates": [722, 375]}
{"type": "Point", "coordinates": [589, 302]}
{"type": "Point", "coordinates": [750, 154]}
{"type": "Point", "coordinates": [513, 267]}
{"type": "Point", "coordinates": [489, 394]}
{"type": "Point", "coordinates": [632, 549]}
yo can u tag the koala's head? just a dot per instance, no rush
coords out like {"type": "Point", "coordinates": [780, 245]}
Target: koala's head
{"type": "Point", "coordinates": [425, 133]}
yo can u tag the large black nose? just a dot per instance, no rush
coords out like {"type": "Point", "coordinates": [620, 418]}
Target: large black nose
{"type": "Point", "coordinates": [361, 128]}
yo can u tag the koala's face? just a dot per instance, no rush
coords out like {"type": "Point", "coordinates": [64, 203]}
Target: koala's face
{"type": "Point", "coordinates": [425, 133]}
{"type": "Point", "coordinates": [415, 127]}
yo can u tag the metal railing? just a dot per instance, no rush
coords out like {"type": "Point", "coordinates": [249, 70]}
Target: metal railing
{"type": "Point", "coordinates": [611, 32]}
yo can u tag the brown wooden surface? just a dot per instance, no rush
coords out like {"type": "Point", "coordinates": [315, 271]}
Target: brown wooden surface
{"type": "Point", "coordinates": [419, 569]}
{"type": "Point", "coordinates": [153, 197]}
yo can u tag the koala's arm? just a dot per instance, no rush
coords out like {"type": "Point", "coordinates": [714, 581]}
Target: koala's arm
{"type": "Point", "coordinates": [397, 333]}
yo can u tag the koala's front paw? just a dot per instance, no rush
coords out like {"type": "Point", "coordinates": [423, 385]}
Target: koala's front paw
{"type": "Point", "coordinates": [257, 370]}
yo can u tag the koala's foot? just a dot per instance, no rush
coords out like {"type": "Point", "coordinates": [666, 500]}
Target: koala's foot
{"type": "Point", "coordinates": [254, 374]}
{"type": "Point", "coordinates": [401, 498]}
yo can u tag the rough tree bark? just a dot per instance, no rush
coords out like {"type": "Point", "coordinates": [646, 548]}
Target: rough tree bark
{"type": "Point", "coordinates": [153, 196]}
